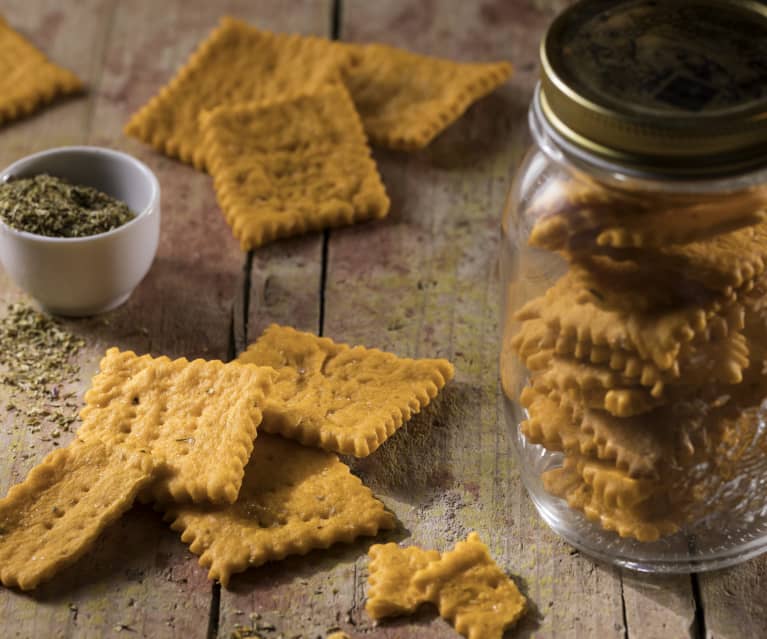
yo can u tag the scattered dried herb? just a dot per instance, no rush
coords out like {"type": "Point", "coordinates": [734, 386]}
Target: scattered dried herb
{"type": "Point", "coordinates": [37, 359]}
{"type": "Point", "coordinates": [53, 207]}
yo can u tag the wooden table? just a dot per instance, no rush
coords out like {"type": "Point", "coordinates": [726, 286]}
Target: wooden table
{"type": "Point", "coordinates": [424, 282]}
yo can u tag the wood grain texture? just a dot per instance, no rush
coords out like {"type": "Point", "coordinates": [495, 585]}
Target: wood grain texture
{"type": "Point", "coordinates": [140, 579]}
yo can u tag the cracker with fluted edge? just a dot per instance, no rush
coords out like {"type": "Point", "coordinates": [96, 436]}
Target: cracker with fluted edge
{"type": "Point", "coordinates": [674, 436]}
{"type": "Point", "coordinates": [471, 591]}
{"type": "Point", "coordinates": [235, 63]}
{"type": "Point", "coordinates": [406, 99]}
{"type": "Point", "coordinates": [613, 486]}
{"type": "Point", "coordinates": [55, 515]}
{"type": "Point", "coordinates": [28, 79]}
{"type": "Point", "coordinates": [293, 499]}
{"type": "Point", "coordinates": [390, 576]}
{"type": "Point", "coordinates": [198, 420]}
{"type": "Point", "coordinates": [285, 167]}
{"type": "Point", "coordinates": [341, 398]}
{"type": "Point", "coordinates": [583, 215]}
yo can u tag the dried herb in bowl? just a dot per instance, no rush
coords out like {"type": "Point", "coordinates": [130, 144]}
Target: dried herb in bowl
{"type": "Point", "coordinates": [50, 206]}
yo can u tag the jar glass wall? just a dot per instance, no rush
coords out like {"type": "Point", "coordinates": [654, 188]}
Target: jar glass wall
{"type": "Point", "coordinates": [633, 356]}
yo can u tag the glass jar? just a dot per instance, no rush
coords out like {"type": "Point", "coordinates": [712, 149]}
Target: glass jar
{"type": "Point", "coordinates": [634, 265]}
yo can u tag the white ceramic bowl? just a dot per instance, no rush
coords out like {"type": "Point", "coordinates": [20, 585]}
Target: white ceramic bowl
{"type": "Point", "coordinates": [86, 275]}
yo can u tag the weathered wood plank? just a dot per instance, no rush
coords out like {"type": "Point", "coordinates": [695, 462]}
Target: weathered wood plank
{"type": "Point", "coordinates": [140, 577]}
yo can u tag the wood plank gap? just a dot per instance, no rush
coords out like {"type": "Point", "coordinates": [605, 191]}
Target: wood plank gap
{"type": "Point", "coordinates": [323, 280]}
{"type": "Point", "coordinates": [215, 610]}
{"type": "Point", "coordinates": [698, 630]}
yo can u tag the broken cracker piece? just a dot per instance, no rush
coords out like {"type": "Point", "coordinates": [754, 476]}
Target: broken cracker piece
{"type": "Point", "coordinates": [285, 167]}
{"type": "Point", "coordinates": [55, 515]}
{"type": "Point", "coordinates": [405, 99]}
{"type": "Point", "coordinates": [236, 63]}
{"type": "Point", "coordinates": [198, 419]}
{"type": "Point", "coordinates": [293, 499]}
{"type": "Point", "coordinates": [391, 571]}
{"type": "Point", "coordinates": [27, 78]}
{"type": "Point", "coordinates": [343, 399]}
{"type": "Point", "coordinates": [471, 591]}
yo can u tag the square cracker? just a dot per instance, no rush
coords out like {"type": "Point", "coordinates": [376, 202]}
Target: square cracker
{"type": "Point", "coordinates": [391, 571]}
{"type": "Point", "coordinates": [54, 516]}
{"type": "Point", "coordinates": [198, 419]}
{"type": "Point", "coordinates": [344, 399]}
{"type": "Point", "coordinates": [285, 167]}
{"type": "Point", "coordinates": [236, 63]}
{"type": "Point", "coordinates": [27, 78]}
{"type": "Point", "coordinates": [406, 99]}
{"type": "Point", "coordinates": [471, 591]}
{"type": "Point", "coordinates": [293, 499]}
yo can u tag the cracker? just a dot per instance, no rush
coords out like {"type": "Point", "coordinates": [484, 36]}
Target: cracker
{"type": "Point", "coordinates": [596, 387]}
{"type": "Point", "coordinates": [343, 399]}
{"type": "Point", "coordinates": [198, 419]}
{"type": "Point", "coordinates": [612, 486]}
{"type": "Point", "coordinates": [28, 79]}
{"type": "Point", "coordinates": [406, 99]}
{"type": "Point", "coordinates": [293, 499]}
{"type": "Point", "coordinates": [285, 167]}
{"type": "Point", "coordinates": [390, 577]}
{"type": "Point", "coordinates": [579, 317]}
{"type": "Point", "coordinates": [471, 591]}
{"type": "Point", "coordinates": [582, 215]}
{"type": "Point", "coordinates": [55, 515]}
{"type": "Point", "coordinates": [638, 523]}
{"type": "Point", "coordinates": [236, 63]}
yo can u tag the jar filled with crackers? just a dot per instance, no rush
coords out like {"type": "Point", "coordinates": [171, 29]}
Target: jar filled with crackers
{"type": "Point", "coordinates": [634, 271]}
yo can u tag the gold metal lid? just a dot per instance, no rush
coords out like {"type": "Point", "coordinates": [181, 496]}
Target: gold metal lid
{"type": "Point", "coordinates": [668, 85]}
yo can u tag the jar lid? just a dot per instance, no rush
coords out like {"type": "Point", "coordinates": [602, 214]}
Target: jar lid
{"type": "Point", "coordinates": [676, 86]}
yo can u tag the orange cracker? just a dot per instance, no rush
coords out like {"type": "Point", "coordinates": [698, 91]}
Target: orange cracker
{"type": "Point", "coordinates": [27, 78]}
{"type": "Point", "coordinates": [344, 399]}
{"type": "Point", "coordinates": [285, 167]}
{"type": "Point", "coordinates": [236, 63]}
{"type": "Point", "coordinates": [471, 591]}
{"type": "Point", "coordinates": [406, 99]}
{"type": "Point", "coordinates": [55, 515]}
{"type": "Point", "coordinates": [293, 499]}
{"type": "Point", "coordinates": [391, 571]}
{"type": "Point", "coordinates": [198, 419]}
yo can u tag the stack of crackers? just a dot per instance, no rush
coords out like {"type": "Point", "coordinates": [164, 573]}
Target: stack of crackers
{"type": "Point", "coordinates": [646, 358]}
{"type": "Point", "coordinates": [282, 123]}
{"type": "Point", "coordinates": [241, 457]}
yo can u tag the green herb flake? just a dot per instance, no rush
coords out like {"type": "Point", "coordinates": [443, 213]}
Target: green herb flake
{"type": "Point", "coordinates": [53, 207]}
